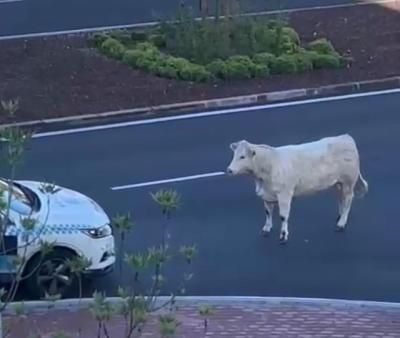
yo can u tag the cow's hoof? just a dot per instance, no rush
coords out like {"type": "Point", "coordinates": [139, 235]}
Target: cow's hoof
{"type": "Point", "coordinates": [283, 238]}
{"type": "Point", "coordinates": [265, 233]}
{"type": "Point", "coordinates": [282, 241]}
{"type": "Point", "coordinates": [339, 228]}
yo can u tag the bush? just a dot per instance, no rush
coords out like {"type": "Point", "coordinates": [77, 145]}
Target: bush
{"type": "Point", "coordinates": [321, 46]}
{"type": "Point", "coordinates": [138, 36]}
{"type": "Point", "coordinates": [303, 62]}
{"type": "Point", "coordinates": [146, 46]}
{"type": "Point", "coordinates": [170, 66]}
{"type": "Point", "coordinates": [260, 71]}
{"type": "Point", "coordinates": [158, 40]}
{"type": "Point", "coordinates": [97, 39]}
{"type": "Point", "coordinates": [146, 59]}
{"type": "Point", "coordinates": [239, 67]}
{"type": "Point", "coordinates": [122, 36]}
{"type": "Point", "coordinates": [291, 34]}
{"type": "Point", "coordinates": [264, 59]}
{"type": "Point", "coordinates": [284, 64]}
{"type": "Point", "coordinates": [113, 48]}
{"type": "Point", "coordinates": [193, 72]}
{"type": "Point", "coordinates": [327, 61]}
{"type": "Point", "coordinates": [217, 68]}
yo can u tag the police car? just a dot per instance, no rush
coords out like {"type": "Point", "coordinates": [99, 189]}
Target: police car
{"type": "Point", "coordinates": [74, 224]}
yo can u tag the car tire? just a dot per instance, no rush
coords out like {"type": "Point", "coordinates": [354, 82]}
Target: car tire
{"type": "Point", "coordinates": [50, 275]}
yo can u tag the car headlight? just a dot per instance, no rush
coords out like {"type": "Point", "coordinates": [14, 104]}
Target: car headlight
{"type": "Point", "coordinates": [100, 232]}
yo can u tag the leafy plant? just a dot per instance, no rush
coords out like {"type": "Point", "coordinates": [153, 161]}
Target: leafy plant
{"type": "Point", "coordinates": [112, 48]}
{"type": "Point", "coordinates": [321, 46]}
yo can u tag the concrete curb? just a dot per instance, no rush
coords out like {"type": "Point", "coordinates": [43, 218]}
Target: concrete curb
{"type": "Point", "coordinates": [76, 304]}
{"type": "Point", "coordinates": [222, 103]}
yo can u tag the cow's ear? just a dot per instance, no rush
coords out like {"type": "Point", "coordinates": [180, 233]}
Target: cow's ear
{"type": "Point", "coordinates": [251, 152]}
{"type": "Point", "coordinates": [234, 146]}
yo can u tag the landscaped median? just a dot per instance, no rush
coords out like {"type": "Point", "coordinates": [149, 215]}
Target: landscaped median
{"type": "Point", "coordinates": [192, 61]}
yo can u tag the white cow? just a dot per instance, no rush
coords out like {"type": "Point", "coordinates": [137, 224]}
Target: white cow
{"type": "Point", "coordinates": [284, 172]}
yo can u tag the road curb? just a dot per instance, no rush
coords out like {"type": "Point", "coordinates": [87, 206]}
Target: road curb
{"type": "Point", "coordinates": [215, 301]}
{"type": "Point", "coordinates": [154, 23]}
{"type": "Point", "coordinates": [221, 103]}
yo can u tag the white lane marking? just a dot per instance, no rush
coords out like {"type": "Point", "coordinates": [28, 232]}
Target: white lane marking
{"type": "Point", "coordinates": [170, 180]}
{"type": "Point", "coordinates": [8, 1]}
{"type": "Point", "coordinates": [214, 113]}
{"type": "Point", "coordinates": [153, 23]}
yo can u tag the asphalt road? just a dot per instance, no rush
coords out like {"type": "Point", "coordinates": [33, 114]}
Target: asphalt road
{"type": "Point", "coordinates": [222, 215]}
{"type": "Point", "coordinates": [37, 16]}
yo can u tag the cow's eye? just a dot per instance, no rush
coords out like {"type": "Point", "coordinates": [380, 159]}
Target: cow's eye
{"type": "Point", "coordinates": [242, 157]}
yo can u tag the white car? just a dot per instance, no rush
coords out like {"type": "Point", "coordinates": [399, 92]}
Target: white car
{"type": "Point", "coordinates": [74, 223]}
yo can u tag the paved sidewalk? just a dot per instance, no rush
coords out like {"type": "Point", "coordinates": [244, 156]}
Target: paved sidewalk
{"type": "Point", "coordinates": [240, 320]}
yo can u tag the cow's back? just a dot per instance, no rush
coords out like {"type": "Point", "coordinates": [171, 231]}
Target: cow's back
{"type": "Point", "coordinates": [319, 164]}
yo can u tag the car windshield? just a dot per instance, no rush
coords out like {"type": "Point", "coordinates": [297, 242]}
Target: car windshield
{"type": "Point", "coordinates": [21, 201]}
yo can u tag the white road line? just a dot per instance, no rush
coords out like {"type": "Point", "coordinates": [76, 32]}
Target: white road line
{"type": "Point", "coordinates": [152, 23]}
{"type": "Point", "coordinates": [170, 180]}
{"type": "Point", "coordinates": [215, 113]}
{"type": "Point", "coordinates": [8, 1]}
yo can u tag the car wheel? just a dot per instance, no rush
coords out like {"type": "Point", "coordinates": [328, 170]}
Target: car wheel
{"type": "Point", "coordinates": [51, 275]}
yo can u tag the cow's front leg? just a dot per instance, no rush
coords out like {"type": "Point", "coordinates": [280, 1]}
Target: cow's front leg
{"type": "Point", "coordinates": [269, 208]}
{"type": "Point", "coordinates": [284, 201]}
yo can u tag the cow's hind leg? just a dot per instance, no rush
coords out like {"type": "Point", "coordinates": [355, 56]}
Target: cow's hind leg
{"type": "Point", "coordinates": [346, 200]}
{"type": "Point", "coordinates": [284, 201]}
{"type": "Point", "coordinates": [269, 208]}
{"type": "Point", "coordinates": [339, 187]}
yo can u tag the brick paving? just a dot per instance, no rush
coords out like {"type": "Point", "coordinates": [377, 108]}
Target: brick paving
{"type": "Point", "coordinates": [234, 321]}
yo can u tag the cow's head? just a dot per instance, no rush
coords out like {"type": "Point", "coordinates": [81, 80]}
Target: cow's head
{"type": "Point", "coordinates": [242, 161]}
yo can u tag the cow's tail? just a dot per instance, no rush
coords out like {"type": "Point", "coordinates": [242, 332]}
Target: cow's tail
{"type": "Point", "coordinates": [361, 187]}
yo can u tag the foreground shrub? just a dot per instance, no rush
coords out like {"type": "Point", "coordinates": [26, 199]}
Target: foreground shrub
{"type": "Point", "coordinates": [321, 46]}
{"type": "Point", "coordinates": [239, 67]}
{"type": "Point", "coordinates": [284, 64]}
{"type": "Point", "coordinates": [266, 59]}
{"type": "Point", "coordinates": [97, 39]}
{"type": "Point", "coordinates": [321, 61]}
{"type": "Point", "coordinates": [303, 62]}
{"type": "Point", "coordinates": [112, 48]}
{"type": "Point", "coordinates": [217, 68]}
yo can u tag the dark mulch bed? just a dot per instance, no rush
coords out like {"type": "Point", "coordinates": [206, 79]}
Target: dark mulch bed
{"type": "Point", "coordinates": [60, 76]}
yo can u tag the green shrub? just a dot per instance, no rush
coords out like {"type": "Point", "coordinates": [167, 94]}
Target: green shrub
{"type": "Point", "coordinates": [326, 61]}
{"type": "Point", "coordinates": [286, 46]}
{"type": "Point", "coordinates": [321, 46]}
{"type": "Point", "coordinates": [195, 73]}
{"type": "Point", "coordinates": [260, 70]}
{"type": "Point", "coordinates": [113, 48]}
{"type": "Point", "coordinates": [146, 46]}
{"type": "Point", "coordinates": [121, 35]}
{"type": "Point", "coordinates": [131, 56]}
{"type": "Point", "coordinates": [239, 67]}
{"type": "Point", "coordinates": [158, 40]}
{"type": "Point", "coordinates": [284, 64]}
{"type": "Point", "coordinates": [138, 36]}
{"type": "Point", "coordinates": [291, 34]}
{"type": "Point", "coordinates": [146, 59]}
{"type": "Point", "coordinates": [264, 59]}
{"type": "Point", "coordinates": [97, 39]}
{"type": "Point", "coordinates": [217, 68]}
{"type": "Point", "coordinates": [303, 62]}
{"type": "Point", "coordinates": [265, 39]}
